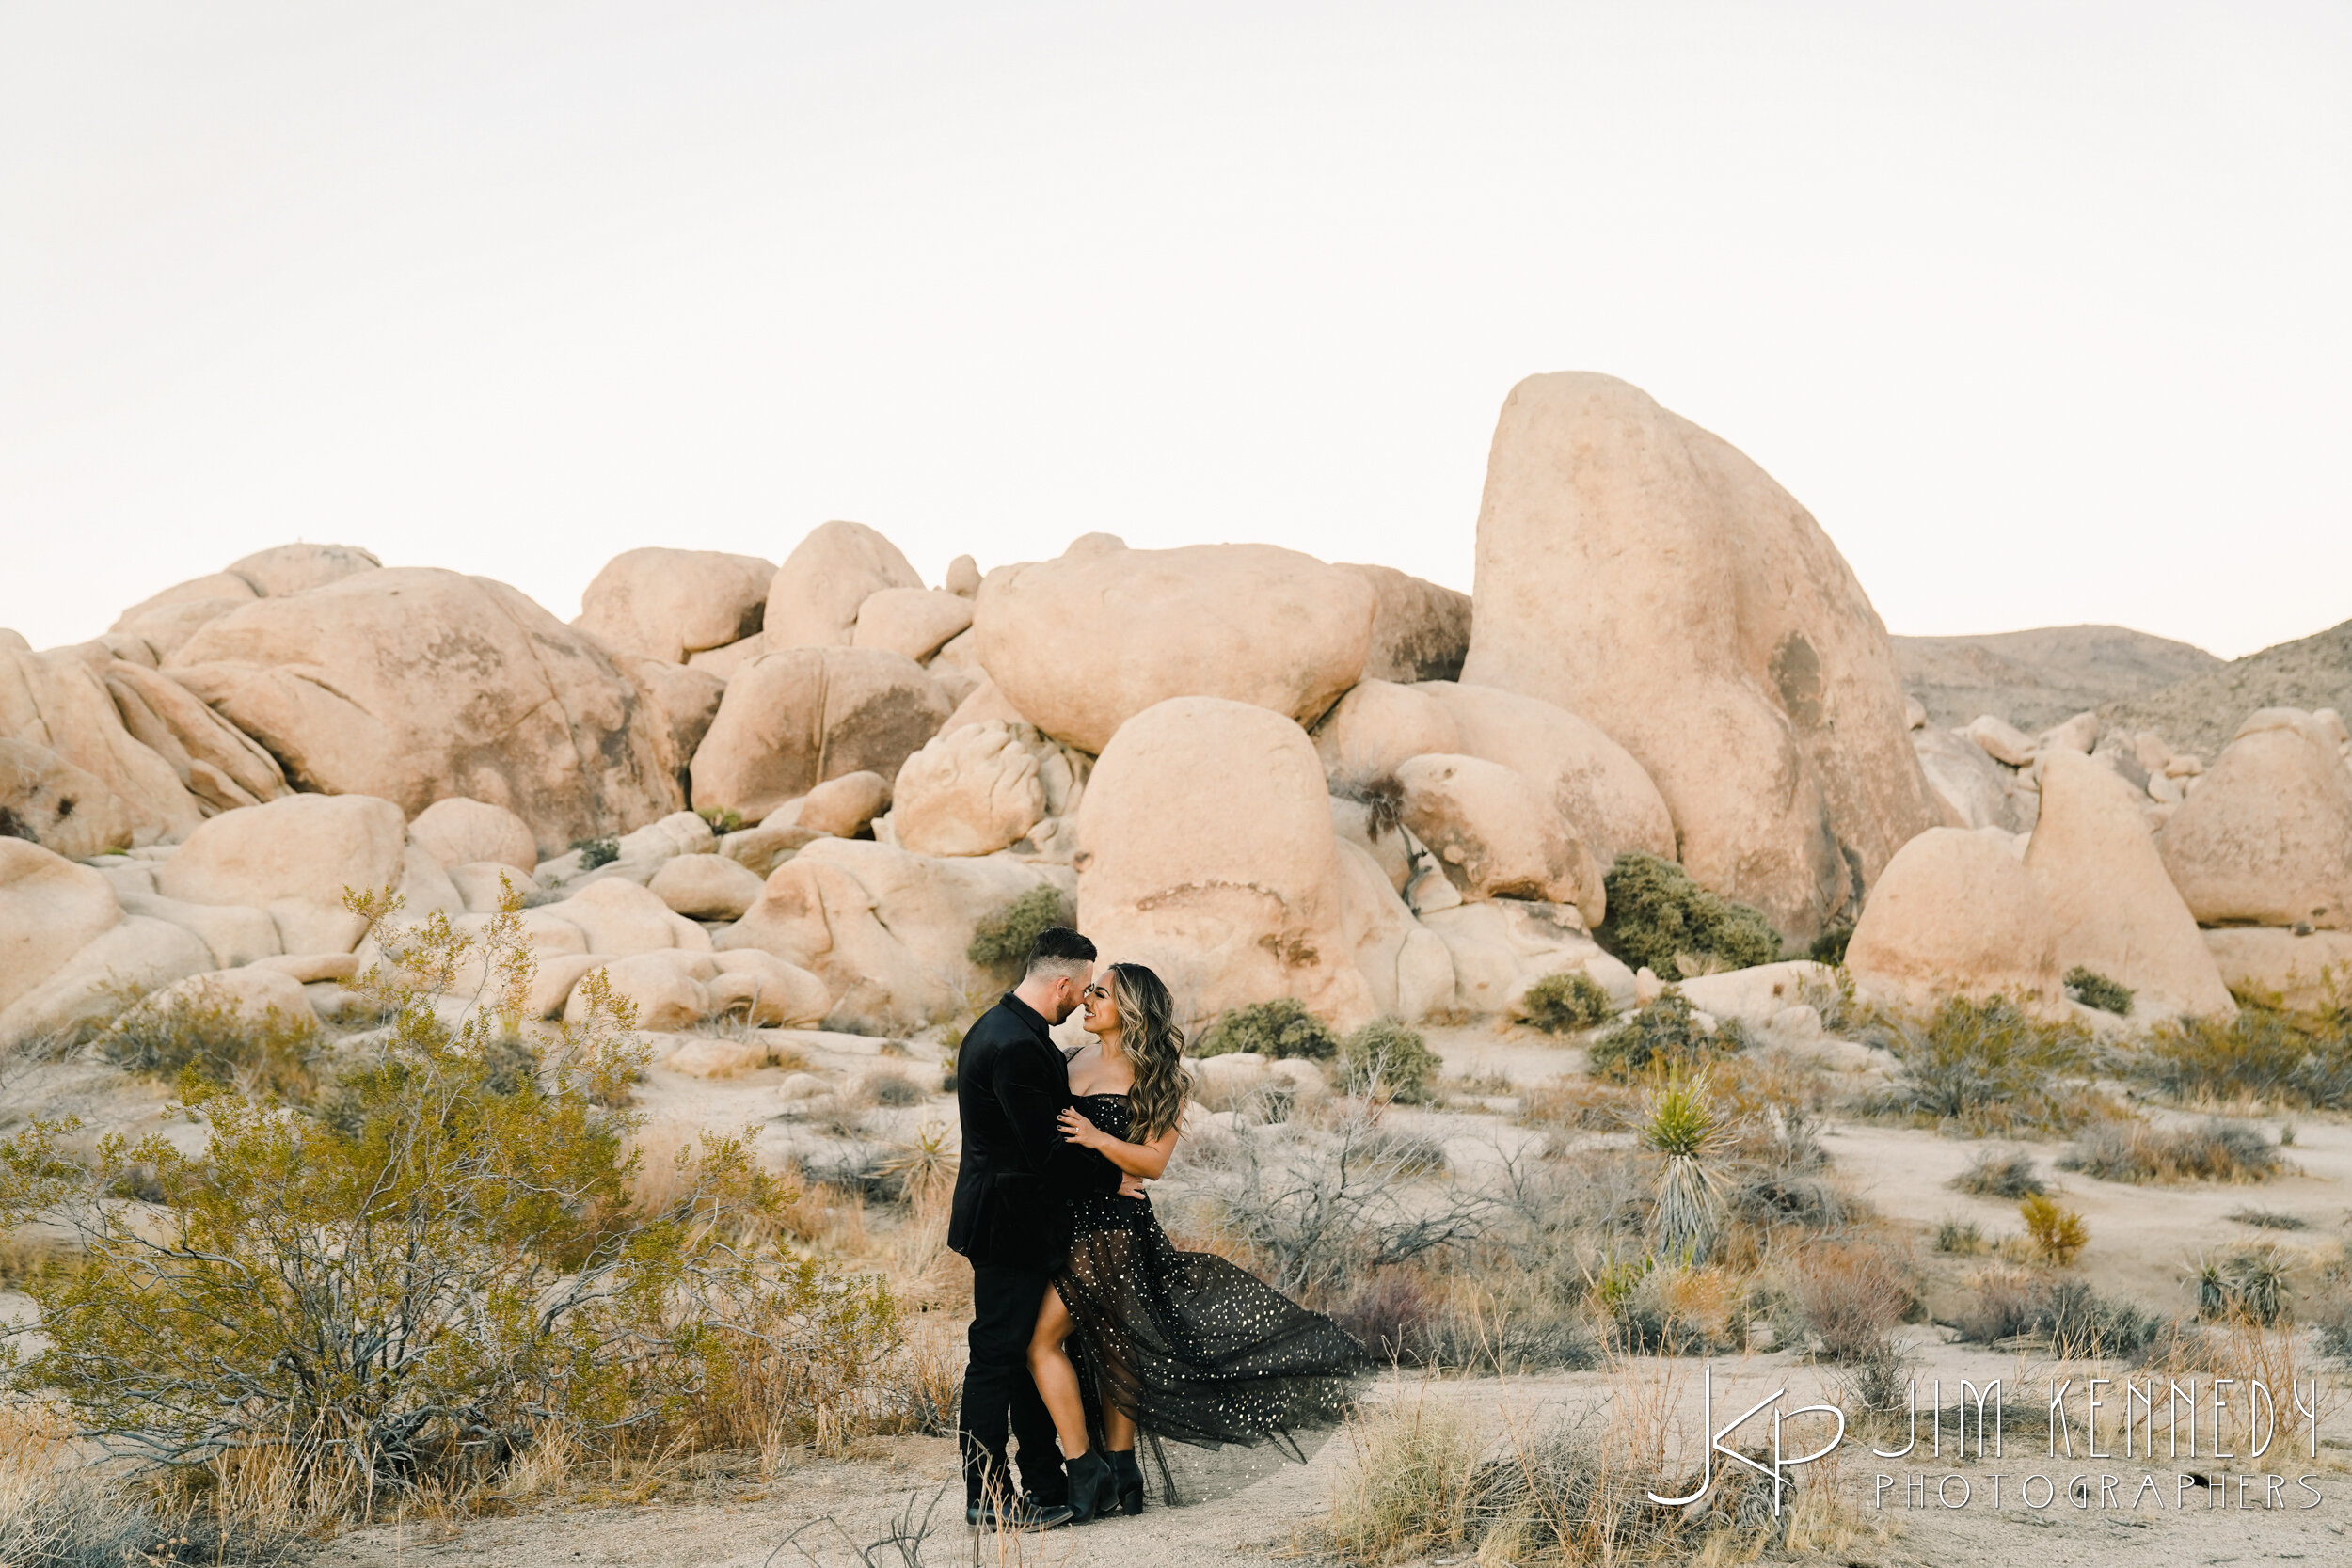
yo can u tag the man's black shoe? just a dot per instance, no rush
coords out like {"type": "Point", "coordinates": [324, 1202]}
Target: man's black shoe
{"type": "Point", "coordinates": [1021, 1513]}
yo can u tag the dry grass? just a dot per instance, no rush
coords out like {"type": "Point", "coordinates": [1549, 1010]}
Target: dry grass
{"type": "Point", "coordinates": [1424, 1480]}
{"type": "Point", "coordinates": [2004, 1176]}
{"type": "Point", "coordinates": [2140, 1152]}
{"type": "Point", "coordinates": [1845, 1297]}
{"type": "Point", "coordinates": [1990, 1068]}
{"type": "Point", "coordinates": [60, 1509]}
{"type": "Point", "coordinates": [2261, 1057]}
{"type": "Point", "coordinates": [1579, 1104]}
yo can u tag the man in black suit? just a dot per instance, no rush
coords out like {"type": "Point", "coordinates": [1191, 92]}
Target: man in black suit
{"type": "Point", "coordinates": [1010, 1219]}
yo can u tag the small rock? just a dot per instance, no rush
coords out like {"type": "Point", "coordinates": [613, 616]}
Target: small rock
{"type": "Point", "coordinates": [2002, 741]}
{"type": "Point", "coordinates": [2078, 734]}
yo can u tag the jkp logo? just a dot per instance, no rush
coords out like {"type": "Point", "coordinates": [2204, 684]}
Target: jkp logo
{"type": "Point", "coordinates": [1782, 1463]}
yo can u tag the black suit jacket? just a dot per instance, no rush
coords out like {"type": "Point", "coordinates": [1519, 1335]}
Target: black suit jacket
{"type": "Point", "coordinates": [1017, 1174]}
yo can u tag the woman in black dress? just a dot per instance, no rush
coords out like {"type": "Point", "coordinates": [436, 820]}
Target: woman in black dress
{"type": "Point", "coordinates": [1185, 1344]}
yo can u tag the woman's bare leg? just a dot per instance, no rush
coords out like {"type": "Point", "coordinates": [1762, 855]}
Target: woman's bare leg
{"type": "Point", "coordinates": [1056, 1379]}
{"type": "Point", "coordinates": [1118, 1429]}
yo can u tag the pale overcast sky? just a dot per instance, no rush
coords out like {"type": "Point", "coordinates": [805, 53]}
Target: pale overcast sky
{"type": "Point", "coordinates": [2040, 307]}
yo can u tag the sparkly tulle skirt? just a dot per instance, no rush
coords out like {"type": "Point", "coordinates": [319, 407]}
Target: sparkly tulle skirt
{"type": "Point", "coordinates": [1202, 1354]}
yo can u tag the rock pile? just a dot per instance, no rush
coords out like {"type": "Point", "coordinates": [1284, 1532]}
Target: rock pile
{"type": "Point", "coordinates": [794, 793]}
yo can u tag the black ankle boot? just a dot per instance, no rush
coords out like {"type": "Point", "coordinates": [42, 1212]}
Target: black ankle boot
{"type": "Point", "coordinates": [1089, 1487]}
{"type": "Point", "coordinates": [1126, 1479]}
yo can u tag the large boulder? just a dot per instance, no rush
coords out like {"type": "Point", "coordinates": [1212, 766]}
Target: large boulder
{"type": "Point", "coordinates": [458, 832]}
{"type": "Point", "coordinates": [50, 910]}
{"type": "Point", "coordinates": [2266, 838]}
{"type": "Point", "coordinates": [1083, 643]}
{"type": "Point", "coordinates": [792, 720]}
{"type": "Point", "coordinates": [1420, 632]}
{"type": "Point", "coordinates": [2117, 912]}
{"type": "Point", "coordinates": [814, 599]}
{"type": "Point", "coordinates": [1379, 726]}
{"type": "Point", "coordinates": [1591, 781]}
{"type": "Point", "coordinates": [284, 569]}
{"type": "Point", "coordinates": [412, 684]}
{"type": "Point", "coordinates": [1955, 913]}
{"type": "Point", "coordinates": [1233, 893]}
{"type": "Point", "coordinates": [666, 604]}
{"type": "Point", "coordinates": [767, 992]}
{"type": "Point", "coordinates": [110, 973]}
{"type": "Point", "coordinates": [60, 702]}
{"type": "Point", "coordinates": [910, 621]}
{"type": "Point", "coordinates": [972, 791]}
{"type": "Point", "coordinates": [1638, 571]}
{"type": "Point", "coordinates": [234, 934]}
{"type": "Point", "coordinates": [49, 801]}
{"type": "Point", "coordinates": [1495, 836]}
{"type": "Point", "coordinates": [2307, 971]}
{"type": "Point", "coordinates": [665, 990]}
{"type": "Point", "coordinates": [294, 857]}
{"type": "Point", "coordinates": [215, 762]}
{"type": "Point", "coordinates": [706, 887]}
{"type": "Point", "coordinates": [885, 930]}
{"type": "Point", "coordinates": [684, 702]}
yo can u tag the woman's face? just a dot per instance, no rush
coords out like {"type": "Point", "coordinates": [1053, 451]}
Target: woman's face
{"type": "Point", "coordinates": [1101, 1013]}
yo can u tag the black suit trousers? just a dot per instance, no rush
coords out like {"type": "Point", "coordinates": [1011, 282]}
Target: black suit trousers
{"type": "Point", "coordinates": [998, 1392]}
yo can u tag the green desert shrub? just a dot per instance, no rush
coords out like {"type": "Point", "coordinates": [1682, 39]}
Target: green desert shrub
{"type": "Point", "coordinates": [596, 852]}
{"type": "Point", "coordinates": [2138, 1153]}
{"type": "Point", "coordinates": [1956, 1235]}
{"type": "Point", "coordinates": [2095, 989]}
{"type": "Point", "coordinates": [1001, 942]}
{"type": "Point", "coordinates": [1667, 1033]}
{"type": "Point", "coordinates": [1560, 1003]}
{"type": "Point", "coordinates": [2264, 1055]}
{"type": "Point", "coordinates": [1830, 946]}
{"type": "Point", "coordinates": [1990, 1068]}
{"type": "Point", "coordinates": [465, 1260]}
{"type": "Point", "coordinates": [1386, 1057]}
{"type": "Point", "coordinates": [1658, 917]}
{"type": "Point", "coordinates": [1280, 1029]}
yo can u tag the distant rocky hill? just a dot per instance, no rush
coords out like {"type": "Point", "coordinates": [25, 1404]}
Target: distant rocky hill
{"type": "Point", "coordinates": [2034, 679]}
{"type": "Point", "coordinates": [2201, 713]}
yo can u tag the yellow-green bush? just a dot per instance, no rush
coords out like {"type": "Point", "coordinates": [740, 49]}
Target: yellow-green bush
{"type": "Point", "coordinates": [448, 1267]}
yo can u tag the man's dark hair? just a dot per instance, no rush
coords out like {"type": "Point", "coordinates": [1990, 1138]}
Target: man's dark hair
{"type": "Point", "coordinates": [1058, 947]}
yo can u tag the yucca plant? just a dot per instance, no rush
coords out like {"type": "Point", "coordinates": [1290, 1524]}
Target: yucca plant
{"type": "Point", "coordinates": [923, 1168]}
{"type": "Point", "coordinates": [1680, 1123]}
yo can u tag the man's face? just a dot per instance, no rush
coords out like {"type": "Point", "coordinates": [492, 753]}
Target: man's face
{"type": "Point", "coordinates": [1067, 994]}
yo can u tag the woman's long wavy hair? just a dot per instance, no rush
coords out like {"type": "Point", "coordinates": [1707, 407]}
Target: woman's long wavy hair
{"type": "Point", "coordinates": [1153, 1042]}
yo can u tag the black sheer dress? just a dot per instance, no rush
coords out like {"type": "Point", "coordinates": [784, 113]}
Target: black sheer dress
{"type": "Point", "coordinates": [1197, 1350]}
